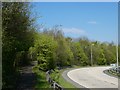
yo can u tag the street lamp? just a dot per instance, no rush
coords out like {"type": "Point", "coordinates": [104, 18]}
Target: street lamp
{"type": "Point", "coordinates": [91, 55]}
{"type": "Point", "coordinates": [117, 55]}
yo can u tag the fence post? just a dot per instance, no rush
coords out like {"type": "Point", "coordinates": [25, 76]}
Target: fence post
{"type": "Point", "coordinates": [54, 85]}
{"type": "Point", "coordinates": [47, 76]}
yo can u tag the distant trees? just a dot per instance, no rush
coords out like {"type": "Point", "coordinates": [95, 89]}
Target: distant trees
{"type": "Point", "coordinates": [109, 53]}
{"type": "Point", "coordinates": [64, 53]}
{"type": "Point", "coordinates": [51, 49]}
{"type": "Point", "coordinates": [80, 57]}
{"type": "Point", "coordinates": [67, 52]}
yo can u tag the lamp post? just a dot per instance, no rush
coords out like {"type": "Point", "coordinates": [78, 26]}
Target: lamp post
{"type": "Point", "coordinates": [117, 55]}
{"type": "Point", "coordinates": [91, 55]}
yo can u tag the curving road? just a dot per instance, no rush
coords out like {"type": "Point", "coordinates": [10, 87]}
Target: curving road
{"type": "Point", "coordinates": [93, 77]}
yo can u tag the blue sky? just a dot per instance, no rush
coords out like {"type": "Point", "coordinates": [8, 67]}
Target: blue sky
{"type": "Point", "coordinates": [97, 21]}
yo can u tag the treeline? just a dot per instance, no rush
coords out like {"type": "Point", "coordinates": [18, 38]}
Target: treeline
{"type": "Point", "coordinates": [22, 43]}
{"type": "Point", "coordinates": [51, 49]}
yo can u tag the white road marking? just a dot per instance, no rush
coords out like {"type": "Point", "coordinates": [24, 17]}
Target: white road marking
{"type": "Point", "coordinates": [93, 77]}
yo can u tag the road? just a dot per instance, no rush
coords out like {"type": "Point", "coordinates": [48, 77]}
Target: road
{"type": "Point", "coordinates": [93, 77]}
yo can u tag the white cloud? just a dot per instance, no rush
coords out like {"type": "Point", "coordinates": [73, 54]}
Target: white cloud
{"type": "Point", "coordinates": [92, 22]}
{"type": "Point", "coordinates": [73, 31]}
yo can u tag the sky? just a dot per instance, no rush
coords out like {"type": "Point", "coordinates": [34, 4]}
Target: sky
{"type": "Point", "coordinates": [95, 20]}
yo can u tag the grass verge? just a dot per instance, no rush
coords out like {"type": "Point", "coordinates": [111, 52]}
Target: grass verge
{"type": "Point", "coordinates": [40, 79]}
{"type": "Point", "coordinates": [57, 76]}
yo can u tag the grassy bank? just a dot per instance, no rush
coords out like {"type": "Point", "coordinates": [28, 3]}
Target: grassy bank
{"type": "Point", "coordinates": [40, 79]}
{"type": "Point", "coordinates": [57, 76]}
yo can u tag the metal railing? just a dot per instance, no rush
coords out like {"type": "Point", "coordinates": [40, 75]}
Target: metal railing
{"type": "Point", "coordinates": [115, 70]}
{"type": "Point", "coordinates": [53, 84]}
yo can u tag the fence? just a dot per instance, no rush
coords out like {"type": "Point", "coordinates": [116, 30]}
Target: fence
{"type": "Point", "coordinates": [115, 70]}
{"type": "Point", "coordinates": [54, 85]}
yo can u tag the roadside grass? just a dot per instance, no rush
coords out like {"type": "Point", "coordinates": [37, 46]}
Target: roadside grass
{"type": "Point", "coordinates": [57, 77]}
{"type": "Point", "coordinates": [40, 79]}
{"type": "Point", "coordinates": [64, 83]}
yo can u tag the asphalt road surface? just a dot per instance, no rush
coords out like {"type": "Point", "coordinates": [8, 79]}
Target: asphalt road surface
{"type": "Point", "coordinates": [93, 77]}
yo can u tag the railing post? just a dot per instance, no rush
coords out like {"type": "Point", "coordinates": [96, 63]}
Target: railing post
{"type": "Point", "coordinates": [54, 85]}
{"type": "Point", "coordinates": [47, 76]}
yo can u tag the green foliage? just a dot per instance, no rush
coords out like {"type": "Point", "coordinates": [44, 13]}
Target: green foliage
{"type": "Point", "coordinates": [64, 53]}
{"type": "Point", "coordinates": [55, 75]}
{"type": "Point", "coordinates": [44, 51]}
{"type": "Point", "coordinates": [40, 79]}
{"type": "Point", "coordinates": [110, 55]}
{"type": "Point", "coordinates": [67, 52]}
{"type": "Point", "coordinates": [79, 55]}
{"type": "Point", "coordinates": [17, 37]}
{"type": "Point", "coordinates": [101, 59]}
{"type": "Point", "coordinates": [21, 59]}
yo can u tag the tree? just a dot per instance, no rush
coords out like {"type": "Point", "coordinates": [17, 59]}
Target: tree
{"type": "Point", "coordinates": [44, 51]}
{"type": "Point", "coordinates": [79, 56]}
{"type": "Point", "coordinates": [64, 55]}
{"type": "Point", "coordinates": [86, 46]}
{"type": "Point", "coordinates": [101, 59]}
{"type": "Point", "coordinates": [17, 37]}
{"type": "Point", "coordinates": [108, 52]}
